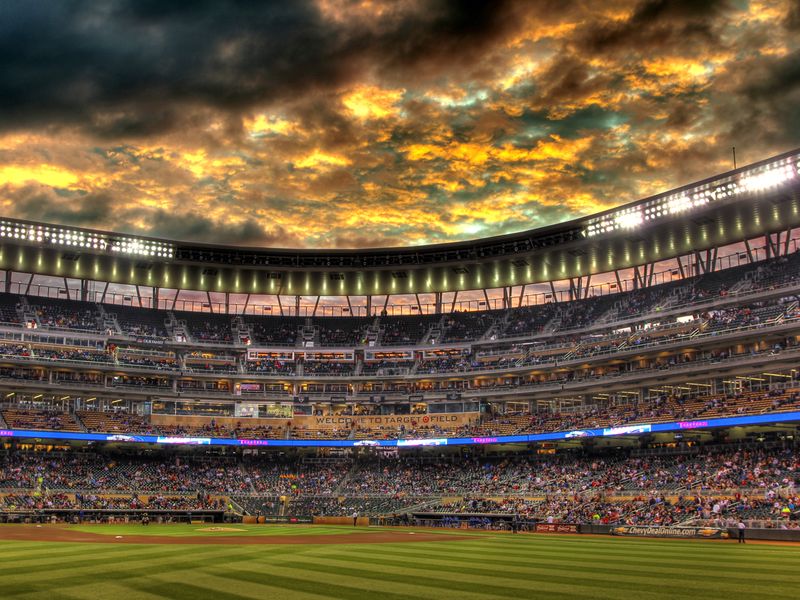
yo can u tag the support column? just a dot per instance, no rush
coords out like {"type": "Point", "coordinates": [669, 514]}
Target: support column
{"type": "Point", "coordinates": [749, 251]}
{"type": "Point", "coordinates": [156, 296]}
{"type": "Point", "coordinates": [698, 264]}
{"type": "Point", "coordinates": [297, 306]}
{"type": "Point", "coordinates": [521, 295]}
{"type": "Point", "coordinates": [437, 303]}
{"type": "Point", "coordinates": [175, 299]}
{"type": "Point", "coordinates": [638, 278]}
{"type": "Point", "coordinates": [369, 305]}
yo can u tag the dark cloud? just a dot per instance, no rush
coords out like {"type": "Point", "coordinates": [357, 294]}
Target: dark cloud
{"type": "Point", "coordinates": [99, 211]}
{"type": "Point", "coordinates": [39, 203]}
{"type": "Point", "coordinates": [569, 79]}
{"type": "Point", "coordinates": [775, 77]}
{"type": "Point", "coordinates": [351, 240]}
{"type": "Point", "coordinates": [346, 123]}
{"type": "Point", "coordinates": [792, 21]}
{"type": "Point", "coordinates": [657, 25]}
{"type": "Point", "coordinates": [194, 227]}
{"type": "Point", "coordinates": [131, 68]}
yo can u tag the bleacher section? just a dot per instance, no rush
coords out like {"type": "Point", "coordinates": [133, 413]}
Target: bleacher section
{"type": "Point", "coordinates": [341, 331]}
{"type": "Point", "coordinates": [44, 420]}
{"type": "Point", "coordinates": [8, 309]}
{"type": "Point", "coordinates": [274, 331]}
{"type": "Point", "coordinates": [115, 422]}
{"type": "Point", "coordinates": [405, 331]}
{"type": "Point", "coordinates": [60, 313]}
{"type": "Point", "coordinates": [139, 322]}
{"type": "Point", "coordinates": [207, 327]}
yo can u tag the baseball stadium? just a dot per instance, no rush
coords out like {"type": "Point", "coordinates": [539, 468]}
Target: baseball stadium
{"type": "Point", "coordinates": [230, 447]}
{"type": "Point", "coordinates": [399, 299]}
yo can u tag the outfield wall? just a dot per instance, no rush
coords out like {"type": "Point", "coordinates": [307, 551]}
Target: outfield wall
{"type": "Point", "coordinates": [360, 521]}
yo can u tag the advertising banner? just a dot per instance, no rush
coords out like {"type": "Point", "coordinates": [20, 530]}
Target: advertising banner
{"type": "Point", "coordinates": [673, 532]}
{"type": "Point", "coordinates": [443, 420]}
{"type": "Point", "coordinates": [555, 528]}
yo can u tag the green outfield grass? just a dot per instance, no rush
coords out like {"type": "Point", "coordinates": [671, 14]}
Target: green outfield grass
{"type": "Point", "coordinates": [180, 530]}
{"type": "Point", "coordinates": [490, 566]}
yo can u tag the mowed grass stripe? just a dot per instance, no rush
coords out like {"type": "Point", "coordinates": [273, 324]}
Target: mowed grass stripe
{"type": "Point", "coordinates": [94, 590]}
{"type": "Point", "coordinates": [259, 585]}
{"type": "Point", "coordinates": [138, 564]}
{"type": "Point", "coordinates": [42, 548]}
{"type": "Point", "coordinates": [499, 566]}
{"type": "Point", "coordinates": [78, 559]}
{"type": "Point", "coordinates": [653, 568]}
{"type": "Point", "coordinates": [77, 555]}
{"type": "Point", "coordinates": [653, 562]}
{"type": "Point", "coordinates": [699, 550]}
{"type": "Point", "coordinates": [346, 587]}
{"type": "Point", "coordinates": [744, 560]}
{"type": "Point", "coordinates": [587, 577]}
{"type": "Point", "coordinates": [464, 584]}
{"type": "Point", "coordinates": [611, 544]}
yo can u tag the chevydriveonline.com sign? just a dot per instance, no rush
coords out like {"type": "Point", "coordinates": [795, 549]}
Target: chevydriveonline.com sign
{"type": "Point", "coordinates": [666, 531]}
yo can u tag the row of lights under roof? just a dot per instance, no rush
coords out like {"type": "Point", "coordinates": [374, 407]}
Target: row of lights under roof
{"type": "Point", "coordinates": [64, 236]}
{"type": "Point", "coordinates": [757, 180]}
{"type": "Point", "coordinates": [142, 247]}
{"type": "Point", "coordinates": [52, 235]}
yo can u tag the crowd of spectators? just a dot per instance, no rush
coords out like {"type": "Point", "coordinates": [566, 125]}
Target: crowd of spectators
{"type": "Point", "coordinates": [65, 315]}
{"type": "Point", "coordinates": [326, 367]}
{"type": "Point", "coordinates": [273, 367]}
{"type": "Point", "coordinates": [756, 482]}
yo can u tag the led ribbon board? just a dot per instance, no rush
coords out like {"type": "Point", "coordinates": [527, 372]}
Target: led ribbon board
{"type": "Point", "coordinates": [636, 429]}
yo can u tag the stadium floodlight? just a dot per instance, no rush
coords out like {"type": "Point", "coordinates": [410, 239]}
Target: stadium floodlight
{"type": "Point", "coordinates": [64, 236]}
{"type": "Point", "coordinates": [629, 219]}
{"type": "Point", "coordinates": [679, 204]}
{"type": "Point", "coordinates": [753, 180]}
{"type": "Point", "coordinates": [767, 179]}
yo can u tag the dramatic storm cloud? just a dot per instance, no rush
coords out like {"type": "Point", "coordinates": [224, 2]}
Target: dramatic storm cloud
{"type": "Point", "coordinates": [351, 123]}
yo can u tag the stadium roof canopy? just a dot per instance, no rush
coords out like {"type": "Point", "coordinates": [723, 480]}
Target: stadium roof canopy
{"type": "Point", "coordinates": [745, 203]}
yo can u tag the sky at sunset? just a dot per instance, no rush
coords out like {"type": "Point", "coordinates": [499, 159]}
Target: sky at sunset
{"type": "Point", "coordinates": [339, 123]}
